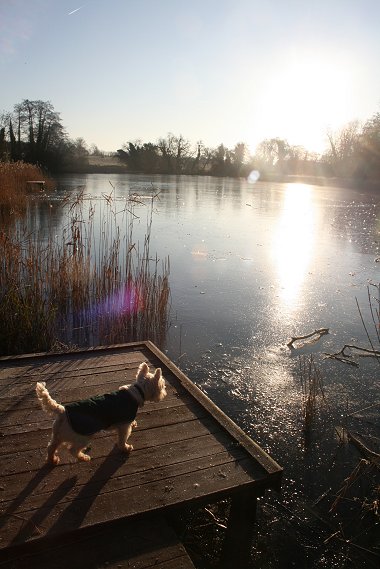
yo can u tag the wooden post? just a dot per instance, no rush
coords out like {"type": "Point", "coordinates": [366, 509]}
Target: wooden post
{"type": "Point", "coordinates": [240, 529]}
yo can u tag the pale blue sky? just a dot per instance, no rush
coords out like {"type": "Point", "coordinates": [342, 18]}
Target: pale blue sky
{"type": "Point", "coordinates": [217, 70]}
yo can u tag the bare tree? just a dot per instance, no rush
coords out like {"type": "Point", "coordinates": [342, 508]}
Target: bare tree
{"type": "Point", "coordinates": [343, 152]}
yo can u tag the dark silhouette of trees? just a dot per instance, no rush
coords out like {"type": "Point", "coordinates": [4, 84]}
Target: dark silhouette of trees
{"type": "Point", "coordinates": [175, 152]}
{"type": "Point", "coordinates": [175, 155]}
{"type": "Point", "coordinates": [170, 155]}
{"type": "Point", "coordinates": [272, 153]}
{"type": "Point", "coordinates": [33, 132]}
{"type": "Point", "coordinates": [140, 157]}
{"type": "Point", "coordinates": [343, 154]}
{"type": "Point", "coordinates": [369, 160]}
{"type": "Point", "coordinates": [354, 151]}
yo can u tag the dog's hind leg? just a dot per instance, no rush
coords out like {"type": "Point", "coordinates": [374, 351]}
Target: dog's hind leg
{"type": "Point", "coordinates": [52, 449]}
{"type": "Point", "coordinates": [55, 442]}
{"type": "Point", "coordinates": [77, 452]}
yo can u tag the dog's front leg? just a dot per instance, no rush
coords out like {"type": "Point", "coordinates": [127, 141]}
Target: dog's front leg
{"type": "Point", "coordinates": [124, 432]}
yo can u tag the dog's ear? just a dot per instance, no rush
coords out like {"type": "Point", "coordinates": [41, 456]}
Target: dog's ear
{"type": "Point", "coordinates": [143, 370]}
{"type": "Point", "coordinates": [159, 385]}
{"type": "Point", "coordinates": [157, 374]}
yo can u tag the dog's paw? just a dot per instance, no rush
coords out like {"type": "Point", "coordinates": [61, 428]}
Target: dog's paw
{"type": "Point", "coordinates": [84, 457]}
{"type": "Point", "coordinates": [127, 448]}
{"type": "Point", "coordinates": [134, 424]}
{"type": "Point", "coordinates": [54, 460]}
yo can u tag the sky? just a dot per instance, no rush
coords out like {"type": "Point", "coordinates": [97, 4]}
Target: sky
{"type": "Point", "coordinates": [220, 71]}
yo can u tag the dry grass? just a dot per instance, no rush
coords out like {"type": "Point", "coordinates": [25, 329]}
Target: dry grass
{"type": "Point", "coordinates": [94, 285]}
{"type": "Point", "coordinates": [312, 392]}
{"type": "Point", "coordinates": [13, 184]}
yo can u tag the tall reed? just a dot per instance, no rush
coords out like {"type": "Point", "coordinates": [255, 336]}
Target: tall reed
{"type": "Point", "coordinates": [94, 285]}
{"type": "Point", "coordinates": [312, 390]}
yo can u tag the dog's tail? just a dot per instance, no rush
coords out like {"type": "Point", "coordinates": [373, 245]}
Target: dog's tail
{"type": "Point", "coordinates": [47, 403]}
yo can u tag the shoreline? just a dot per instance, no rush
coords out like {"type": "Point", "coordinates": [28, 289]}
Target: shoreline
{"type": "Point", "coordinates": [349, 183]}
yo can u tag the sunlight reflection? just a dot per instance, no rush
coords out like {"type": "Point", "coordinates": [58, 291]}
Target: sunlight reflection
{"type": "Point", "coordinates": [293, 243]}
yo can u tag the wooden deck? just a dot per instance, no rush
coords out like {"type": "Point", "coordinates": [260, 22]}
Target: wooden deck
{"type": "Point", "coordinates": [186, 452]}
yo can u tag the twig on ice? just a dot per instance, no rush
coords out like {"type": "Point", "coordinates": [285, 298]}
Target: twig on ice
{"type": "Point", "coordinates": [344, 357]}
{"type": "Point", "coordinates": [320, 332]}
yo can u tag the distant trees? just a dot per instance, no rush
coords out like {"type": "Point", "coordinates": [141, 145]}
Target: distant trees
{"type": "Point", "coordinates": [175, 155]}
{"type": "Point", "coordinates": [369, 162]}
{"type": "Point", "coordinates": [343, 153]}
{"type": "Point", "coordinates": [139, 157]}
{"type": "Point", "coordinates": [272, 152]}
{"type": "Point", "coordinates": [277, 156]}
{"type": "Point", "coordinates": [355, 150]}
{"type": "Point", "coordinates": [33, 132]}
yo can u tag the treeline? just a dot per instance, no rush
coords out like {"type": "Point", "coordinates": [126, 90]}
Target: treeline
{"type": "Point", "coordinates": [33, 132]}
{"type": "Point", "coordinates": [352, 152]}
{"type": "Point", "coordinates": [176, 155]}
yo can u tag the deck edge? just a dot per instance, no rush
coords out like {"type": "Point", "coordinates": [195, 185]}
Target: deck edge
{"type": "Point", "coordinates": [273, 469]}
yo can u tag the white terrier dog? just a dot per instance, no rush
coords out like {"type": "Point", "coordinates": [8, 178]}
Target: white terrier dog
{"type": "Point", "coordinates": [77, 422]}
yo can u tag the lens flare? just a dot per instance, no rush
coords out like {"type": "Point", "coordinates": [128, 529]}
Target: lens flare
{"type": "Point", "coordinates": [253, 176]}
{"type": "Point", "coordinates": [123, 302]}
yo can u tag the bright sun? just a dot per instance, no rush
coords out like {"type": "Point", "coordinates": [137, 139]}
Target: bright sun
{"type": "Point", "coordinates": [305, 98]}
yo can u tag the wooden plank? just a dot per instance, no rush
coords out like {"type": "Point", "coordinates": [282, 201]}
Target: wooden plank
{"type": "Point", "coordinates": [109, 475]}
{"type": "Point", "coordinates": [68, 507]}
{"type": "Point", "coordinates": [89, 353]}
{"type": "Point", "coordinates": [160, 455]}
{"type": "Point", "coordinates": [69, 367]}
{"type": "Point", "coordinates": [142, 544]}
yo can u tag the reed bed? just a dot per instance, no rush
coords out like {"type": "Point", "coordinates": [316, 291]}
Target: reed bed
{"type": "Point", "coordinates": [13, 185]}
{"type": "Point", "coordinates": [92, 285]}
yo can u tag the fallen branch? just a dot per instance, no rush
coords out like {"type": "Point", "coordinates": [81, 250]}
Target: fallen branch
{"type": "Point", "coordinates": [320, 332]}
{"type": "Point", "coordinates": [360, 352]}
{"type": "Point", "coordinates": [364, 409]}
{"type": "Point", "coordinates": [215, 519]}
{"type": "Point", "coordinates": [339, 536]}
{"type": "Point", "coordinates": [348, 482]}
{"type": "Point", "coordinates": [368, 454]}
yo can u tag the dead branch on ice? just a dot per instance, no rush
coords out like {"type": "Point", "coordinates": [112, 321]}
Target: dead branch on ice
{"type": "Point", "coordinates": [318, 333]}
{"type": "Point", "coordinates": [344, 357]}
{"type": "Point", "coordinates": [368, 454]}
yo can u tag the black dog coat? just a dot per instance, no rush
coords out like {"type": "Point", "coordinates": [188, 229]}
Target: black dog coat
{"type": "Point", "coordinates": [100, 412]}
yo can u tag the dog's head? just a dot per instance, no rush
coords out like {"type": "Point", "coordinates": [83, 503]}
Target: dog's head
{"type": "Point", "coordinates": [152, 384]}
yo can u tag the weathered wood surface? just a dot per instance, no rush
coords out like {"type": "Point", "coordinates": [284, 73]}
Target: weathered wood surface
{"type": "Point", "coordinates": [138, 545]}
{"type": "Point", "coordinates": [186, 450]}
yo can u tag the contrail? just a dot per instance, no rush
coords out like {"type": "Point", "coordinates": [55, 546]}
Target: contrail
{"type": "Point", "coordinates": [76, 10]}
